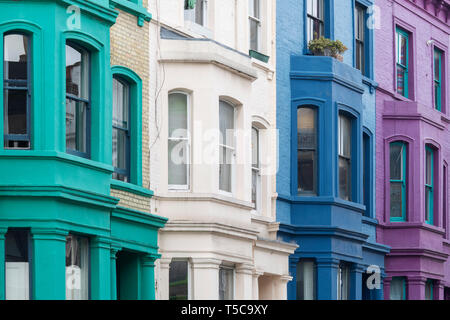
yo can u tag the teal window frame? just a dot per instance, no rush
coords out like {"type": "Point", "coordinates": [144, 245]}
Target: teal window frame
{"type": "Point", "coordinates": [402, 181]}
{"type": "Point", "coordinates": [399, 32]}
{"type": "Point", "coordinates": [430, 282]}
{"type": "Point", "coordinates": [134, 83]}
{"type": "Point", "coordinates": [429, 187]}
{"type": "Point", "coordinates": [437, 81]}
{"type": "Point", "coordinates": [403, 279]}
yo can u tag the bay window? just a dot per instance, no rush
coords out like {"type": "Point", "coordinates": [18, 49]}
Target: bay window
{"type": "Point", "coordinates": [121, 130]}
{"type": "Point", "coordinates": [256, 169]}
{"type": "Point", "coordinates": [16, 91]}
{"type": "Point", "coordinates": [307, 150]}
{"type": "Point", "coordinates": [429, 184]}
{"type": "Point", "coordinates": [306, 280]}
{"type": "Point", "coordinates": [78, 104]}
{"type": "Point", "coordinates": [315, 19]}
{"type": "Point", "coordinates": [77, 268]}
{"type": "Point", "coordinates": [226, 283]}
{"type": "Point", "coordinates": [179, 280]}
{"type": "Point", "coordinates": [397, 180]}
{"type": "Point", "coordinates": [254, 24]}
{"type": "Point", "coordinates": [226, 146]}
{"type": "Point", "coordinates": [398, 288]}
{"type": "Point", "coordinates": [178, 141]}
{"type": "Point", "coordinates": [345, 156]}
{"type": "Point", "coordinates": [17, 264]}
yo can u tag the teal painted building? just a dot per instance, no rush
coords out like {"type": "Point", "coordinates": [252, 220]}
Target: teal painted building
{"type": "Point", "coordinates": [62, 234]}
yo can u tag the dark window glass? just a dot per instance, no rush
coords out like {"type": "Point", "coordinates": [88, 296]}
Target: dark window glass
{"type": "Point", "coordinates": [367, 174]}
{"type": "Point", "coordinates": [307, 150]}
{"type": "Point", "coordinates": [121, 130]}
{"type": "Point", "coordinates": [178, 280]}
{"type": "Point", "coordinates": [226, 283]}
{"type": "Point", "coordinates": [77, 101]}
{"type": "Point", "coordinates": [438, 79]}
{"type": "Point", "coordinates": [16, 93]}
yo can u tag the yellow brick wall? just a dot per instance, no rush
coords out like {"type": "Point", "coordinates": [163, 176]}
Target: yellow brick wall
{"type": "Point", "coordinates": [130, 48]}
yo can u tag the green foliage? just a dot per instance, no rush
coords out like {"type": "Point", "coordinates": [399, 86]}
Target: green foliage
{"type": "Point", "coordinates": [324, 46]}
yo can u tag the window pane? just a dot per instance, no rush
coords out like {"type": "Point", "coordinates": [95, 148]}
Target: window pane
{"type": "Point", "coordinates": [178, 280]}
{"type": "Point", "coordinates": [255, 148]}
{"type": "Point", "coordinates": [15, 111]}
{"type": "Point", "coordinates": [77, 268]}
{"type": "Point", "coordinates": [77, 72]}
{"type": "Point", "coordinates": [437, 64]}
{"type": "Point", "coordinates": [199, 9]}
{"type": "Point", "coordinates": [344, 136]}
{"type": "Point", "coordinates": [428, 203]}
{"type": "Point", "coordinates": [429, 290]}
{"type": "Point", "coordinates": [403, 50]}
{"type": "Point", "coordinates": [226, 122]}
{"type": "Point", "coordinates": [429, 167]}
{"type": "Point", "coordinates": [396, 161]}
{"type": "Point", "coordinates": [225, 169]}
{"type": "Point", "coordinates": [16, 57]}
{"type": "Point", "coordinates": [254, 186]}
{"type": "Point", "coordinates": [401, 80]}
{"type": "Point", "coordinates": [177, 166]}
{"type": "Point", "coordinates": [306, 171]}
{"type": "Point", "coordinates": [396, 195]}
{"type": "Point", "coordinates": [226, 284]}
{"type": "Point", "coordinates": [344, 179]}
{"type": "Point", "coordinates": [76, 125]}
{"type": "Point", "coordinates": [17, 274]}
{"type": "Point", "coordinates": [178, 115]}
{"type": "Point", "coordinates": [397, 288]}
{"type": "Point", "coordinates": [254, 31]}
{"type": "Point", "coordinates": [120, 150]}
{"type": "Point", "coordinates": [306, 280]}
{"type": "Point", "coordinates": [120, 104]}
{"type": "Point", "coordinates": [306, 128]}
{"type": "Point", "coordinates": [343, 282]}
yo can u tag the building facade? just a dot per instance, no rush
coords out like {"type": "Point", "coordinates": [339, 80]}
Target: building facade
{"type": "Point", "coordinates": [75, 218]}
{"type": "Point", "coordinates": [326, 176]}
{"type": "Point", "coordinates": [213, 150]}
{"type": "Point", "coordinates": [413, 148]}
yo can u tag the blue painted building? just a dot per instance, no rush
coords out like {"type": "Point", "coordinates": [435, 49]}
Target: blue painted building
{"type": "Point", "coordinates": [326, 122]}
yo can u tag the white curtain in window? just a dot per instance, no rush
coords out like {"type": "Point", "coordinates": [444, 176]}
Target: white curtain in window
{"type": "Point", "coordinates": [396, 289]}
{"type": "Point", "coordinates": [226, 124]}
{"type": "Point", "coordinates": [17, 281]}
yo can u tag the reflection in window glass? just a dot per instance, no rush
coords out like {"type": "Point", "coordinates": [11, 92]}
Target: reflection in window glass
{"type": "Point", "coordinates": [226, 145]}
{"type": "Point", "coordinates": [306, 280]}
{"type": "Point", "coordinates": [345, 169]}
{"type": "Point", "coordinates": [398, 288]}
{"type": "Point", "coordinates": [226, 283]}
{"type": "Point", "coordinates": [307, 150]}
{"type": "Point", "coordinates": [77, 268]}
{"type": "Point", "coordinates": [178, 280]}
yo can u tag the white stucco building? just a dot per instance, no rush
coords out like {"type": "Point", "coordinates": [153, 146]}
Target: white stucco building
{"type": "Point", "coordinates": [208, 76]}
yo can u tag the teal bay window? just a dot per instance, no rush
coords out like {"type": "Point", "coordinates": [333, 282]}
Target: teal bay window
{"type": "Point", "coordinates": [16, 91]}
{"type": "Point", "coordinates": [402, 62]}
{"type": "Point", "coordinates": [78, 104]}
{"type": "Point", "coordinates": [437, 65]}
{"type": "Point", "coordinates": [429, 184]}
{"type": "Point", "coordinates": [397, 181]}
{"type": "Point", "coordinates": [345, 157]}
{"type": "Point", "coordinates": [121, 130]}
{"type": "Point", "coordinates": [398, 288]}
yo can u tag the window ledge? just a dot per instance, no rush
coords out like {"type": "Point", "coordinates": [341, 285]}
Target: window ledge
{"type": "Point", "coordinates": [258, 55]}
{"type": "Point", "coordinates": [131, 188]}
{"type": "Point", "coordinates": [133, 8]}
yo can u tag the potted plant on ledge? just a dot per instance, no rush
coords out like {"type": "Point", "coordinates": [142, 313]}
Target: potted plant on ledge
{"type": "Point", "coordinates": [327, 47]}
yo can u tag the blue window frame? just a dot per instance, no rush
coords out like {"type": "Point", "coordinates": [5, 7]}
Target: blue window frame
{"type": "Point", "coordinates": [367, 173]}
{"type": "Point", "coordinates": [437, 65]}
{"type": "Point", "coordinates": [17, 91]}
{"type": "Point", "coordinates": [429, 184]}
{"type": "Point", "coordinates": [402, 62]}
{"type": "Point", "coordinates": [78, 100]}
{"type": "Point", "coordinates": [345, 157]}
{"type": "Point", "coordinates": [121, 130]}
{"type": "Point", "coordinates": [397, 168]}
{"type": "Point", "coordinates": [398, 288]}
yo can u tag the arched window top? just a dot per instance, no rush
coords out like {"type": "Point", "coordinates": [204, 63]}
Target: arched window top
{"type": "Point", "coordinates": [126, 74]}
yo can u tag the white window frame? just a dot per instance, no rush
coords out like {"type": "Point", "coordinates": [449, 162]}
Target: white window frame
{"type": "Point", "coordinates": [232, 148]}
{"type": "Point", "coordinates": [180, 187]}
{"type": "Point", "coordinates": [258, 20]}
{"type": "Point", "coordinates": [189, 15]}
{"type": "Point", "coordinates": [257, 208]}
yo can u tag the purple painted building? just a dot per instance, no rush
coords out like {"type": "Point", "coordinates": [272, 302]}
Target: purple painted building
{"type": "Point", "coordinates": [413, 146]}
